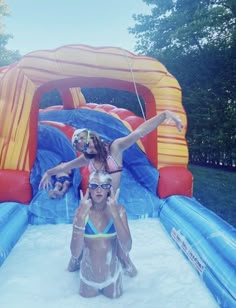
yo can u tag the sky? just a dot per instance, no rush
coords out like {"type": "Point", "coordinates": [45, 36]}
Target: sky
{"type": "Point", "coordinates": [48, 24]}
{"type": "Point", "coordinates": [34, 275]}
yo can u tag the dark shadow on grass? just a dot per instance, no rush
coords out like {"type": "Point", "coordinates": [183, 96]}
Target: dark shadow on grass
{"type": "Point", "coordinates": [215, 189]}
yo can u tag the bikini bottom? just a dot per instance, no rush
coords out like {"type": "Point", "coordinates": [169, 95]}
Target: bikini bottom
{"type": "Point", "coordinates": [104, 284]}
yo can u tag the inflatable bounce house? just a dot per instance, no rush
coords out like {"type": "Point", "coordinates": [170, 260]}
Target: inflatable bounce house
{"type": "Point", "coordinates": [155, 181]}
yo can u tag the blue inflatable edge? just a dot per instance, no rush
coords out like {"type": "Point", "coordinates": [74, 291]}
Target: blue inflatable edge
{"type": "Point", "coordinates": [207, 241]}
{"type": "Point", "coordinates": [13, 223]}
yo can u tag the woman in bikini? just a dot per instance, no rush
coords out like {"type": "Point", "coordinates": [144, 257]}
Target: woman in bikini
{"type": "Point", "coordinates": [100, 226]}
{"type": "Point", "coordinates": [102, 156]}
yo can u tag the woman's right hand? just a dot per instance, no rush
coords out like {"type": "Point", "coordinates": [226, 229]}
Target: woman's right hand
{"type": "Point", "coordinates": [45, 182]}
{"type": "Point", "coordinates": [84, 207]}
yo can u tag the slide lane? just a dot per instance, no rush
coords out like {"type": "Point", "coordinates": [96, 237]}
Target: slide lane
{"type": "Point", "coordinates": [138, 179]}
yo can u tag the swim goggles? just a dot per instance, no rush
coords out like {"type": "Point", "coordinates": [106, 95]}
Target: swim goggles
{"type": "Point", "coordinates": [103, 186]}
{"type": "Point", "coordinates": [81, 144]}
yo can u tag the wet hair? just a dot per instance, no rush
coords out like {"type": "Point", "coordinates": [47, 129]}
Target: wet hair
{"type": "Point", "coordinates": [102, 175]}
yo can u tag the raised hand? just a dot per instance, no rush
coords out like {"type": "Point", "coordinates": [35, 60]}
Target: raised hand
{"type": "Point", "coordinates": [84, 206]}
{"type": "Point", "coordinates": [170, 116]}
{"type": "Point", "coordinates": [112, 202]}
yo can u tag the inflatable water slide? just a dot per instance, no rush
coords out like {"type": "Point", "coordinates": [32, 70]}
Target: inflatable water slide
{"type": "Point", "coordinates": [155, 181]}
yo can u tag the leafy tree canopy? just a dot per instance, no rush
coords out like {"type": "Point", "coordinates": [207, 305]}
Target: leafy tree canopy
{"type": "Point", "coordinates": [6, 56]}
{"type": "Point", "coordinates": [196, 41]}
{"type": "Point", "coordinates": [185, 25]}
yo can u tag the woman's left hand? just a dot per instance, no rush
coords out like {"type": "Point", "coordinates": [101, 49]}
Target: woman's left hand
{"type": "Point", "coordinates": [112, 202]}
{"type": "Point", "coordinates": [170, 116]}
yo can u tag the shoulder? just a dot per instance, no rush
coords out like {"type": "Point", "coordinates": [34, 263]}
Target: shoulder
{"type": "Point", "coordinates": [107, 145]}
{"type": "Point", "coordinates": [113, 147]}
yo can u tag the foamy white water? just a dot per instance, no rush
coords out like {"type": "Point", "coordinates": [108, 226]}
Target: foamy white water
{"type": "Point", "coordinates": [34, 275]}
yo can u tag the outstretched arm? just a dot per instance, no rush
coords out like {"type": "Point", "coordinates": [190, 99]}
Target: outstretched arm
{"type": "Point", "coordinates": [155, 121]}
{"type": "Point", "coordinates": [146, 127]}
{"type": "Point", "coordinates": [63, 167]}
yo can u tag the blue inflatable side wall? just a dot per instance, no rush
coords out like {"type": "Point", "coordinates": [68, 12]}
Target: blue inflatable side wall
{"type": "Point", "coordinates": [207, 241]}
{"type": "Point", "coordinates": [13, 222]}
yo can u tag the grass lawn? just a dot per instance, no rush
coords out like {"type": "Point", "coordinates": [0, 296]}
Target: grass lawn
{"type": "Point", "coordinates": [215, 189]}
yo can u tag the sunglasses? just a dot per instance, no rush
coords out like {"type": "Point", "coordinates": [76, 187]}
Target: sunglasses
{"type": "Point", "coordinates": [103, 186]}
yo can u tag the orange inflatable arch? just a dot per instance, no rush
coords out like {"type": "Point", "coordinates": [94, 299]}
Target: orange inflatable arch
{"type": "Point", "coordinates": [69, 68]}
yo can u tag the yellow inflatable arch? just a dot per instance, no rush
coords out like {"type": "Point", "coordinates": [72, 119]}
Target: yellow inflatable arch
{"type": "Point", "coordinates": [69, 68]}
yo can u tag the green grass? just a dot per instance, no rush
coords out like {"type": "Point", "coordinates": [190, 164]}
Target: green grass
{"type": "Point", "coordinates": [215, 189]}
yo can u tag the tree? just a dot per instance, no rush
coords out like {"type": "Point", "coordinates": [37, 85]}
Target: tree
{"type": "Point", "coordinates": [196, 41]}
{"type": "Point", "coordinates": [6, 56]}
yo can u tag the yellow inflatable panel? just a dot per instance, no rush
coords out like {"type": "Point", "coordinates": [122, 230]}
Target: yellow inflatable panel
{"type": "Point", "coordinates": [69, 68]}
